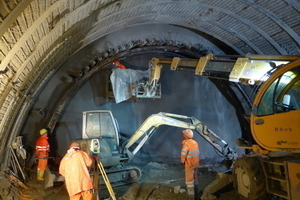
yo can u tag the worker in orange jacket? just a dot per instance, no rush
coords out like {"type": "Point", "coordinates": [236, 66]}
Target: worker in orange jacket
{"type": "Point", "coordinates": [119, 65]}
{"type": "Point", "coordinates": [74, 167]}
{"type": "Point", "coordinates": [42, 149]}
{"type": "Point", "coordinates": [190, 159]}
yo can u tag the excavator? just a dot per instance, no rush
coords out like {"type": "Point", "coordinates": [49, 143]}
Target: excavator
{"type": "Point", "coordinates": [100, 137]}
{"type": "Point", "coordinates": [271, 164]}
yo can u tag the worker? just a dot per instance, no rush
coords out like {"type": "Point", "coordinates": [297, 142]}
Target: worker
{"type": "Point", "coordinates": [42, 149]}
{"type": "Point", "coordinates": [74, 167]}
{"type": "Point", "coordinates": [190, 159]}
{"type": "Point", "coordinates": [119, 65]}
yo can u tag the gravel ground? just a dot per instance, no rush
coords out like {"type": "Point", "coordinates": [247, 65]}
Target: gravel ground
{"type": "Point", "coordinates": [157, 183]}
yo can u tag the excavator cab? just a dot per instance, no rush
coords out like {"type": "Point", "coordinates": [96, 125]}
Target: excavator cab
{"type": "Point", "coordinates": [276, 111]}
{"type": "Point", "coordinates": [275, 125]}
{"type": "Point", "coordinates": [100, 138]}
{"type": "Point", "coordinates": [282, 95]}
{"type": "Point", "coordinates": [100, 135]}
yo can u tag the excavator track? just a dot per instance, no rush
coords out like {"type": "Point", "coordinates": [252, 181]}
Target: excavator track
{"type": "Point", "coordinates": [121, 176]}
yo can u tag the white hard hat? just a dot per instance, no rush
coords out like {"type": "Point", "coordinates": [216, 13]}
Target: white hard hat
{"type": "Point", "coordinates": [75, 145]}
{"type": "Point", "coordinates": [188, 133]}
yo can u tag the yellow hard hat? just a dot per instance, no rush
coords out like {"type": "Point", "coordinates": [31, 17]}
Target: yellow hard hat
{"type": "Point", "coordinates": [43, 131]}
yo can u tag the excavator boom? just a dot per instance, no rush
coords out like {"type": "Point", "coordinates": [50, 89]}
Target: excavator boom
{"type": "Point", "coordinates": [146, 130]}
{"type": "Point", "coordinates": [249, 70]}
{"type": "Point", "coordinates": [275, 108]}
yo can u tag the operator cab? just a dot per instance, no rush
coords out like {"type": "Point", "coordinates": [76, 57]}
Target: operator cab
{"type": "Point", "coordinates": [283, 94]}
{"type": "Point", "coordinates": [101, 136]}
{"type": "Point", "coordinates": [276, 113]}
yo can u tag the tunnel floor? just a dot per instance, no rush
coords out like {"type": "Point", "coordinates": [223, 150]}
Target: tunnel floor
{"type": "Point", "coordinates": [158, 182]}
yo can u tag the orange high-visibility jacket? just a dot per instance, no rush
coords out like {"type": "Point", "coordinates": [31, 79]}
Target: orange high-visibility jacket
{"type": "Point", "coordinates": [120, 66]}
{"type": "Point", "coordinates": [42, 147]}
{"type": "Point", "coordinates": [190, 153]}
{"type": "Point", "coordinates": [73, 167]}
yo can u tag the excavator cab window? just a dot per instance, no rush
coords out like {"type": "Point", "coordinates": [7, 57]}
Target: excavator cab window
{"type": "Point", "coordinates": [102, 125]}
{"type": "Point", "coordinates": [283, 95]}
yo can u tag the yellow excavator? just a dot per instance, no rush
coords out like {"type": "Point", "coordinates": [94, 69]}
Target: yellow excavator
{"type": "Point", "coordinates": [272, 164]}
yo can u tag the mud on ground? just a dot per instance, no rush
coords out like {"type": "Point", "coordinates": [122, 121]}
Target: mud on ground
{"type": "Point", "coordinates": [160, 181]}
{"type": "Point", "coordinates": [157, 183]}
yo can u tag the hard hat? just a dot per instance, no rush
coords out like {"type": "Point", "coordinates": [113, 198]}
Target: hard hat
{"type": "Point", "coordinates": [75, 145]}
{"type": "Point", "coordinates": [188, 133]}
{"type": "Point", "coordinates": [43, 131]}
{"type": "Point", "coordinates": [116, 62]}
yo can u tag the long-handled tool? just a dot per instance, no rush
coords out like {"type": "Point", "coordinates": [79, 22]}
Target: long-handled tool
{"type": "Point", "coordinates": [105, 178]}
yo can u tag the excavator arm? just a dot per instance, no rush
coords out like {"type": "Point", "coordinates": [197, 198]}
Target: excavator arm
{"type": "Point", "coordinates": [249, 70]}
{"type": "Point", "coordinates": [146, 130]}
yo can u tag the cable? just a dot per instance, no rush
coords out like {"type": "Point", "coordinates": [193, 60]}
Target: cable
{"type": "Point", "coordinates": [56, 192]}
{"type": "Point", "coordinates": [164, 182]}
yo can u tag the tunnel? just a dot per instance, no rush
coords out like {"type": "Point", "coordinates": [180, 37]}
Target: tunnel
{"type": "Point", "coordinates": [57, 57]}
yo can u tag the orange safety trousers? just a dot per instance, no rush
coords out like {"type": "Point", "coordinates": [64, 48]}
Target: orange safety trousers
{"type": "Point", "coordinates": [191, 177]}
{"type": "Point", "coordinates": [86, 195]}
{"type": "Point", "coordinates": [42, 164]}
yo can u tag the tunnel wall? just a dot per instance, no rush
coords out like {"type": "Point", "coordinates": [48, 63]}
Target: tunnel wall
{"type": "Point", "coordinates": [182, 93]}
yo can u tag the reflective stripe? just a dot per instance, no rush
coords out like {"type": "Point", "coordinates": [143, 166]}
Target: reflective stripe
{"type": "Point", "coordinates": [189, 184]}
{"type": "Point", "coordinates": [42, 147]}
{"type": "Point", "coordinates": [194, 151]}
{"type": "Point", "coordinates": [75, 154]}
{"type": "Point", "coordinates": [191, 156]}
{"type": "Point", "coordinates": [71, 156]}
{"type": "Point", "coordinates": [184, 152]}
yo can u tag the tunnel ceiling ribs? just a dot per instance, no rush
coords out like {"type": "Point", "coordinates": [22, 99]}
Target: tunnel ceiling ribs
{"type": "Point", "coordinates": [38, 36]}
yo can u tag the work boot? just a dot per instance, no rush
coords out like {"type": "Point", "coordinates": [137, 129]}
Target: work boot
{"type": "Point", "coordinates": [40, 175]}
{"type": "Point", "coordinates": [191, 193]}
